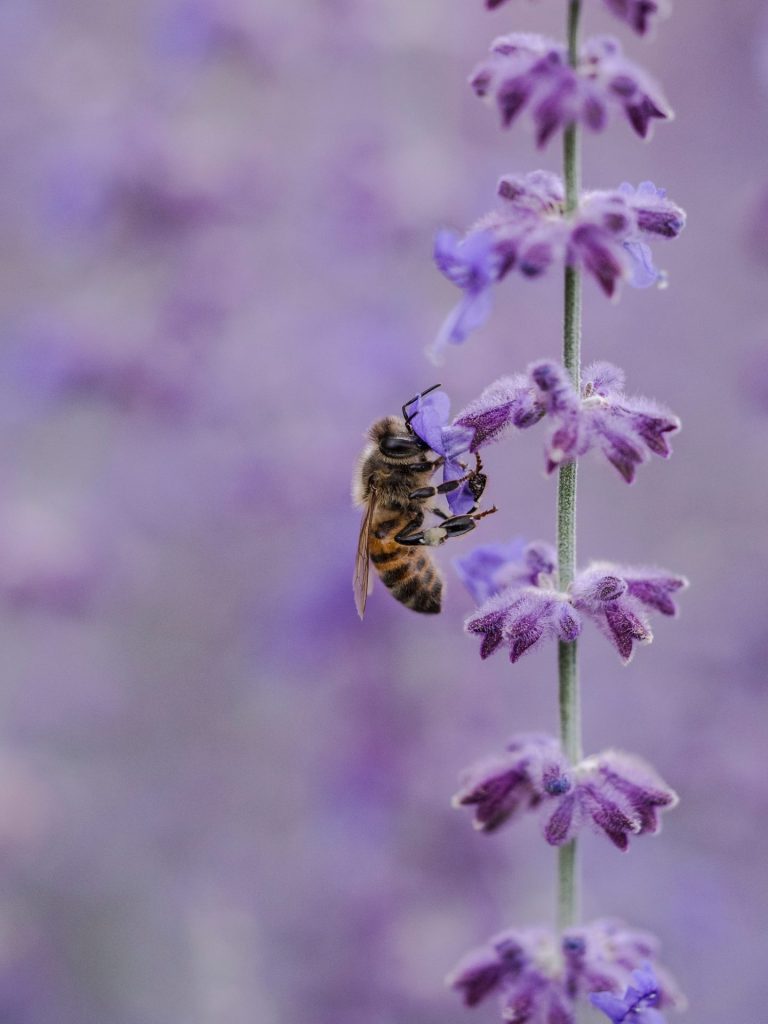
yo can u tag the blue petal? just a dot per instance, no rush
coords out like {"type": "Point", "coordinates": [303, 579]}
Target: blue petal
{"type": "Point", "coordinates": [470, 313]}
{"type": "Point", "coordinates": [611, 1006]}
{"type": "Point", "coordinates": [461, 500]}
{"type": "Point", "coordinates": [432, 413]}
{"type": "Point", "coordinates": [456, 440]}
{"type": "Point", "coordinates": [643, 273]}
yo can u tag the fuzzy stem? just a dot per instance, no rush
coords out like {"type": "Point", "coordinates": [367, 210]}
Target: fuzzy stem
{"type": "Point", "coordinates": [570, 718]}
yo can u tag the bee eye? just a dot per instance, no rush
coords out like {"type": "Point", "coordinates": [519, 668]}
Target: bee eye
{"type": "Point", "coordinates": [400, 447]}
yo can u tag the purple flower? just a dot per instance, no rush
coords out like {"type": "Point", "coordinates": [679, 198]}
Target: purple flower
{"type": "Point", "coordinates": [639, 1002]}
{"type": "Point", "coordinates": [431, 423]}
{"type": "Point", "coordinates": [521, 618]}
{"type": "Point", "coordinates": [601, 956]}
{"type": "Point", "coordinates": [618, 794]}
{"type": "Point", "coordinates": [504, 787]}
{"type": "Point", "coordinates": [541, 977]}
{"type": "Point", "coordinates": [530, 71]}
{"type": "Point", "coordinates": [627, 430]}
{"type": "Point", "coordinates": [507, 403]}
{"type": "Point", "coordinates": [522, 606]}
{"type": "Point", "coordinates": [605, 237]}
{"type": "Point", "coordinates": [615, 598]}
{"type": "Point", "coordinates": [526, 71]}
{"type": "Point", "coordinates": [624, 83]}
{"type": "Point", "coordinates": [473, 265]}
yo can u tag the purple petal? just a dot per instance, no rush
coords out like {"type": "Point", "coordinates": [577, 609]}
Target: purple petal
{"type": "Point", "coordinates": [488, 623]}
{"type": "Point", "coordinates": [655, 591]}
{"type": "Point", "coordinates": [564, 822]}
{"type": "Point", "coordinates": [608, 816]}
{"type": "Point", "coordinates": [477, 976]}
{"type": "Point", "coordinates": [507, 403]}
{"type": "Point", "coordinates": [625, 627]}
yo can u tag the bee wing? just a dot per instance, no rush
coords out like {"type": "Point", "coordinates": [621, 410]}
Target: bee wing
{"type": "Point", "coordinates": [363, 561]}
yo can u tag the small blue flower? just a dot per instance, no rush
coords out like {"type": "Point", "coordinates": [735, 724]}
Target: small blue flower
{"type": "Point", "coordinates": [639, 1003]}
{"type": "Point", "coordinates": [431, 423]}
{"type": "Point", "coordinates": [478, 570]}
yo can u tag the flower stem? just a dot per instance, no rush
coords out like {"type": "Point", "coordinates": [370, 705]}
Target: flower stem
{"type": "Point", "coordinates": [570, 717]}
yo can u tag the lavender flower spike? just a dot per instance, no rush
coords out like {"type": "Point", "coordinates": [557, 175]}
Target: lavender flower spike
{"type": "Point", "coordinates": [503, 787]}
{"type": "Point", "coordinates": [638, 1005]}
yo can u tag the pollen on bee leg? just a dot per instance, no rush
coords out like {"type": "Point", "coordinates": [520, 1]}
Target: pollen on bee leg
{"type": "Point", "coordinates": [435, 536]}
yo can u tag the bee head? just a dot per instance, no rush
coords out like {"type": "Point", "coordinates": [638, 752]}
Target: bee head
{"type": "Point", "coordinates": [395, 439]}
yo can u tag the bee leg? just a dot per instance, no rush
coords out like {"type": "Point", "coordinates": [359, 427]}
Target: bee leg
{"type": "Point", "coordinates": [411, 534]}
{"type": "Point", "coordinates": [454, 526]}
{"type": "Point", "coordinates": [423, 467]}
{"type": "Point", "coordinates": [457, 525]}
{"type": "Point", "coordinates": [443, 488]}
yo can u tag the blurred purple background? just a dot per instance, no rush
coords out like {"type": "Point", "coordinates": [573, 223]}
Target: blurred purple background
{"type": "Point", "coordinates": [222, 798]}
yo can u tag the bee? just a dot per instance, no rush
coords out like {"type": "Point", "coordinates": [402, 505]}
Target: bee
{"type": "Point", "coordinates": [392, 485]}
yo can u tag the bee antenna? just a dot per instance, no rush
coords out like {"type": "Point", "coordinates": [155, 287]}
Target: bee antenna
{"type": "Point", "coordinates": [408, 417]}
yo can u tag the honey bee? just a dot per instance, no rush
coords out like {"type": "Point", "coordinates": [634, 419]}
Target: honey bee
{"type": "Point", "coordinates": [392, 485]}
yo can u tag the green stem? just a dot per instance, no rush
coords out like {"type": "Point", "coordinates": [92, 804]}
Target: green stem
{"type": "Point", "coordinates": [568, 675]}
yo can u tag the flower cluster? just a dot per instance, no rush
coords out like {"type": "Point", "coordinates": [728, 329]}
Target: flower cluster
{"type": "Point", "coordinates": [531, 72]}
{"type": "Point", "coordinates": [638, 14]}
{"type": "Point", "coordinates": [529, 232]}
{"type": "Point", "coordinates": [627, 430]}
{"type": "Point", "coordinates": [541, 977]}
{"type": "Point", "coordinates": [618, 794]}
{"type": "Point", "coordinates": [522, 606]}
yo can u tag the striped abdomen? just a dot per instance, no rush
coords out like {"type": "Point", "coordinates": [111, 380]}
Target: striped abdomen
{"type": "Point", "coordinates": [408, 572]}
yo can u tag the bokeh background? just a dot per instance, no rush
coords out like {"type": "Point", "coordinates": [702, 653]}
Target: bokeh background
{"type": "Point", "coordinates": [222, 797]}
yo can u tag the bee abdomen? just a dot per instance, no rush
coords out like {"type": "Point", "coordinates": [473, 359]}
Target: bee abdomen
{"type": "Point", "coordinates": [412, 578]}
